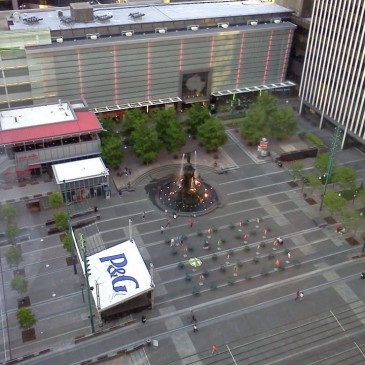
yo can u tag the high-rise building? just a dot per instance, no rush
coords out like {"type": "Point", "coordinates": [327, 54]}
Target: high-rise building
{"type": "Point", "coordinates": [333, 81]}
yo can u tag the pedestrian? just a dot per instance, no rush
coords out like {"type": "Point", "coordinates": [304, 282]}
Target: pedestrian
{"type": "Point", "coordinates": [143, 216]}
{"type": "Point", "coordinates": [297, 295]}
{"type": "Point", "coordinates": [301, 295]}
{"type": "Point", "coordinates": [162, 229]}
{"type": "Point", "coordinates": [143, 319]}
{"type": "Point", "coordinates": [129, 171]}
{"type": "Point", "coordinates": [172, 242]}
{"type": "Point", "coordinates": [195, 328]}
{"type": "Point", "coordinates": [362, 276]}
{"type": "Point", "coordinates": [193, 318]}
{"type": "Point", "coordinates": [214, 349]}
{"type": "Point", "coordinates": [175, 215]}
{"type": "Point", "coordinates": [165, 212]}
{"type": "Point", "coordinates": [191, 222]}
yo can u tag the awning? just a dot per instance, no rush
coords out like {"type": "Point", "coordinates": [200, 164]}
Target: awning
{"type": "Point", "coordinates": [34, 166]}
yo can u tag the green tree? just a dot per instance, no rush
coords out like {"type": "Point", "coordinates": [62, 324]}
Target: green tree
{"type": "Point", "coordinates": [313, 182]}
{"type": "Point", "coordinates": [13, 256]}
{"type": "Point", "coordinates": [61, 220]}
{"type": "Point", "coordinates": [108, 127]}
{"type": "Point", "coordinates": [26, 318]}
{"type": "Point", "coordinates": [112, 151]}
{"type": "Point", "coordinates": [361, 195]}
{"type": "Point", "coordinates": [133, 118]}
{"type": "Point", "coordinates": [321, 163]}
{"type": "Point", "coordinates": [67, 242]}
{"type": "Point", "coordinates": [196, 116]}
{"type": "Point", "coordinates": [296, 170]}
{"type": "Point", "coordinates": [8, 212]}
{"type": "Point", "coordinates": [12, 231]}
{"type": "Point", "coordinates": [285, 124]}
{"type": "Point", "coordinates": [212, 134]}
{"type": "Point", "coordinates": [20, 284]}
{"type": "Point", "coordinates": [169, 129]}
{"type": "Point", "coordinates": [146, 143]}
{"type": "Point", "coordinates": [56, 200]}
{"type": "Point", "coordinates": [253, 126]}
{"type": "Point", "coordinates": [334, 203]}
{"type": "Point", "coordinates": [345, 176]}
{"type": "Point", "coordinates": [352, 220]}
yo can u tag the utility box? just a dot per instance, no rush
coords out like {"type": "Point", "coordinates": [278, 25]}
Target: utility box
{"type": "Point", "coordinates": [82, 12]}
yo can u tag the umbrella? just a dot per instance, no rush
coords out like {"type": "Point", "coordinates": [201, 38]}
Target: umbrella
{"type": "Point", "coordinates": [195, 262]}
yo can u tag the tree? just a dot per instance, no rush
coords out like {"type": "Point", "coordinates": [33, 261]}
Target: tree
{"type": "Point", "coordinates": [352, 219]}
{"type": "Point", "coordinates": [345, 176]}
{"type": "Point", "coordinates": [197, 115]}
{"type": "Point", "coordinates": [212, 134]}
{"type": "Point", "coordinates": [61, 220]}
{"type": "Point", "coordinates": [334, 202]}
{"type": "Point", "coordinates": [253, 126]}
{"type": "Point", "coordinates": [112, 151]}
{"type": "Point", "coordinates": [146, 143]}
{"type": "Point", "coordinates": [361, 195]}
{"type": "Point", "coordinates": [169, 129]}
{"type": "Point", "coordinates": [26, 318]}
{"type": "Point", "coordinates": [133, 118]}
{"type": "Point", "coordinates": [321, 162]}
{"type": "Point", "coordinates": [314, 182]}
{"type": "Point", "coordinates": [13, 256]}
{"type": "Point", "coordinates": [8, 212]}
{"type": "Point", "coordinates": [56, 200]}
{"type": "Point", "coordinates": [285, 124]}
{"type": "Point", "coordinates": [67, 242]}
{"type": "Point", "coordinates": [296, 170]}
{"type": "Point", "coordinates": [12, 231]}
{"type": "Point", "coordinates": [20, 284]}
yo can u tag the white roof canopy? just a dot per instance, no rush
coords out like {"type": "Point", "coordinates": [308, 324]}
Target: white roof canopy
{"type": "Point", "coordinates": [118, 274]}
{"type": "Point", "coordinates": [79, 170]}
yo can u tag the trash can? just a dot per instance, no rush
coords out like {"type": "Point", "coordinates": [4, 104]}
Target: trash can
{"type": "Point", "coordinates": [149, 342]}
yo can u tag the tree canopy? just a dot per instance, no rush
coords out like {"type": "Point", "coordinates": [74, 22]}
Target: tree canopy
{"type": "Point", "coordinates": [20, 284]}
{"type": "Point", "coordinates": [8, 212]}
{"type": "Point", "coordinates": [345, 176]}
{"type": "Point", "coordinates": [146, 144]}
{"type": "Point", "coordinates": [11, 232]}
{"type": "Point", "coordinates": [169, 129]}
{"type": "Point", "coordinates": [67, 242]}
{"type": "Point", "coordinates": [196, 116]}
{"type": "Point", "coordinates": [61, 220]}
{"type": "Point", "coordinates": [13, 256]}
{"type": "Point", "coordinates": [296, 170]}
{"type": "Point", "coordinates": [56, 200]}
{"type": "Point", "coordinates": [321, 162]}
{"type": "Point", "coordinates": [26, 318]}
{"type": "Point", "coordinates": [212, 134]}
{"type": "Point", "coordinates": [133, 118]}
{"type": "Point", "coordinates": [266, 118]}
{"type": "Point", "coordinates": [334, 202]}
{"type": "Point", "coordinates": [112, 150]}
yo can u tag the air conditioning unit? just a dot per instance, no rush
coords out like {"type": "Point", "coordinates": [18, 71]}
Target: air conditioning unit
{"type": "Point", "coordinates": [93, 37]}
{"type": "Point", "coordinates": [59, 40]}
{"type": "Point", "coordinates": [254, 23]}
{"type": "Point", "coordinates": [277, 21]}
{"type": "Point", "coordinates": [128, 34]}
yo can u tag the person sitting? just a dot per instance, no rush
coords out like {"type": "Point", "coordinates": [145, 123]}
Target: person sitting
{"type": "Point", "coordinates": [206, 245]}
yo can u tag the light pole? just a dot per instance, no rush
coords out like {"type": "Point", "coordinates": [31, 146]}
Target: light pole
{"type": "Point", "coordinates": [152, 285]}
{"type": "Point", "coordinates": [83, 249]}
{"type": "Point", "coordinates": [72, 247]}
{"type": "Point", "coordinates": [330, 163]}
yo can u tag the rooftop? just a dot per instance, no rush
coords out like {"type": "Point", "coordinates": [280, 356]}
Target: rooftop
{"type": "Point", "coordinates": [36, 115]}
{"type": "Point", "coordinates": [56, 19]}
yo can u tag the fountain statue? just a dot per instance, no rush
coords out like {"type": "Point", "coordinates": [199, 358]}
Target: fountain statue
{"type": "Point", "coordinates": [187, 193]}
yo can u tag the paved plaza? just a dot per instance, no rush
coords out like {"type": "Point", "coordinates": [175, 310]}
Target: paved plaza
{"type": "Point", "coordinates": [243, 294]}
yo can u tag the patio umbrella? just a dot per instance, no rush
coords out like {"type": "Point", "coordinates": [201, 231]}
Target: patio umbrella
{"type": "Point", "coordinates": [195, 262]}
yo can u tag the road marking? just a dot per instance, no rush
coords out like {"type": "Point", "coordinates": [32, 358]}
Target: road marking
{"type": "Point", "coordinates": [337, 321]}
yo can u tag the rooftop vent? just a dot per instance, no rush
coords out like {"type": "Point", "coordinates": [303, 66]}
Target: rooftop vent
{"type": "Point", "coordinates": [82, 12]}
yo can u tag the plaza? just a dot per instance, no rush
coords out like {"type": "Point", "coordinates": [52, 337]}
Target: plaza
{"type": "Point", "coordinates": [242, 294]}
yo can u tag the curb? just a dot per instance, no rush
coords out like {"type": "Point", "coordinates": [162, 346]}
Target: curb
{"type": "Point", "coordinates": [27, 357]}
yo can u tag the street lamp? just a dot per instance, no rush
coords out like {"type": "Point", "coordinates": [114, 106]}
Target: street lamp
{"type": "Point", "coordinates": [86, 270]}
{"type": "Point", "coordinates": [72, 248]}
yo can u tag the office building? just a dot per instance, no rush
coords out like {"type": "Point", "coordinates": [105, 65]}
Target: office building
{"type": "Point", "coordinates": [121, 57]}
{"type": "Point", "coordinates": [333, 82]}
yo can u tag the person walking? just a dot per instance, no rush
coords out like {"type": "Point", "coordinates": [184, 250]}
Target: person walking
{"type": "Point", "coordinates": [195, 328]}
{"type": "Point", "coordinates": [191, 222]}
{"type": "Point", "coordinates": [162, 229]}
{"type": "Point", "coordinates": [143, 216]}
{"type": "Point", "coordinates": [297, 295]}
{"type": "Point", "coordinates": [214, 349]}
{"type": "Point", "coordinates": [301, 295]}
{"type": "Point", "coordinates": [172, 242]}
{"type": "Point", "coordinates": [193, 318]}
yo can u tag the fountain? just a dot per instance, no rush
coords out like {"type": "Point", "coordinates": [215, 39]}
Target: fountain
{"type": "Point", "coordinates": [187, 193]}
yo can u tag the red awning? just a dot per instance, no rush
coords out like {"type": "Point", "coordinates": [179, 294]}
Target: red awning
{"type": "Point", "coordinates": [86, 122]}
{"type": "Point", "coordinates": [35, 166]}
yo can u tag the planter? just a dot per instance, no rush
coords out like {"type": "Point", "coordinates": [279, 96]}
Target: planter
{"type": "Point", "coordinates": [19, 272]}
{"type": "Point", "coordinates": [24, 302]}
{"type": "Point", "coordinates": [28, 335]}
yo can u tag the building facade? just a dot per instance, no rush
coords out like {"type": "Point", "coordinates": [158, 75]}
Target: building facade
{"type": "Point", "coordinates": [333, 82]}
{"type": "Point", "coordinates": [125, 57]}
